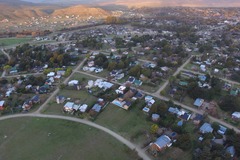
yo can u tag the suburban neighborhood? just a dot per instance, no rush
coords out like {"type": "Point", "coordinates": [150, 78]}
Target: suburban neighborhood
{"type": "Point", "coordinates": [167, 88]}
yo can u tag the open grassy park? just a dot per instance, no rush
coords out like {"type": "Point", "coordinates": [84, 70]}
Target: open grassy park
{"type": "Point", "coordinates": [48, 139]}
{"type": "Point", "coordinates": [13, 41]}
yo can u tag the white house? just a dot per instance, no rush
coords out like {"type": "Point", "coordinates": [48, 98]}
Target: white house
{"type": "Point", "coordinates": [73, 82]}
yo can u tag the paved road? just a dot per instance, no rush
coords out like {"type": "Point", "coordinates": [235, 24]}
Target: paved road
{"type": "Point", "coordinates": [223, 79]}
{"type": "Point", "coordinates": [132, 146]}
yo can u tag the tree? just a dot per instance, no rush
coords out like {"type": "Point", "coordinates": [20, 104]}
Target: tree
{"type": "Point", "coordinates": [146, 72]}
{"type": "Point", "coordinates": [135, 71]}
{"type": "Point", "coordinates": [206, 154]}
{"type": "Point", "coordinates": [68, 72]}
{"type": "Point", "coordinates": [120, 65]}
{"type": "Point", "coordinates": [154, 128]}
{"type": "Point", "coordinates": [184, 142]}
{"type": "Point", "coordinates": [112, 66]}
{"type": "Point", "coordinates": [215, 126]}
{"type": "Point", "coordinates": [230, 103]}
{"type": "Point", "coordinates": [7, 68]}
{"type": "Point", "coordinates": [100, 59]}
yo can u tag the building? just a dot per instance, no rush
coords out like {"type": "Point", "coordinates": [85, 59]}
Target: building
{"type": "Point", "coordinates": [68, 107]}
{"type": "Point", "coordinates": [236, 115]}
{"type": "Point", "coordinates": [206, 128]}
{"type": "Point", "coordinates": [2, 105]}
{"type": "Point", "coordinates": [161, 143]}
{"type": "Point", "coordinates": [198, 102]}
{"type": "Point", "coordinates": [60, 99]}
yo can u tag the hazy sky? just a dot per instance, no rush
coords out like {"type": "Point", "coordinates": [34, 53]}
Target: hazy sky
{"type": "Point", "coordinates": [206, 3]}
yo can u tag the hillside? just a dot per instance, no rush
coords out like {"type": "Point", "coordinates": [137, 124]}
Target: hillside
{"type": "Point", "coordinates": [23, 10]}
{"type": "Point", "coordinates": [82, 11]}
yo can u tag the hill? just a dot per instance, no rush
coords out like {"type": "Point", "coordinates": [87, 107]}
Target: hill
{"type": "Point", "coordinates": [21, 11]}
{"type": "Point", "coordinates": [82, 11]}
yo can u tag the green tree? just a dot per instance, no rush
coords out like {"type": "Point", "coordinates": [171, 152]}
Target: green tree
{"type": "Point", "coordinates": [135, 71]}
{"type": "Point", "coordinates": [154, 128]}
{"type": "Point", "coordinates": [112, 66]}
{"type": "Point", "coordinates": [146, 72]}
{"type": "Point", "coordinates": [7, 68]}
{"type": "Point", "coordinates": [184, 142]}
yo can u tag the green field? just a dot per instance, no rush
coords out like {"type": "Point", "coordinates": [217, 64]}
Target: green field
{"type": "Point", "coordinates": [132, 124]}
{"type": "Point", "coordinates": [12, 41]}
{"type": "Point", "coordinates": [50, 139]}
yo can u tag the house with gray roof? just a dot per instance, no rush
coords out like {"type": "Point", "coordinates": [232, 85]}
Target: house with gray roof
{"type": "Point", "coordinates": [161, 143]}
{"type": "Point", "coordinates": [206, 128]}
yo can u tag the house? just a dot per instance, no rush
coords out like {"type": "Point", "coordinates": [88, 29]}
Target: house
{"type": "Point", "coordinates": [202, 78]}
{"type": "Point", "coordinates": [173, 110]}
{"type": "Point", "coordinates": [150, 101]}
{"type": "Point", "coordinates": [137, 82]}
{"type": "Point", "coordinates": [155, 117]}
{"type": "Point", "coordinates": [35, 99]}
{"type": "Point", "coordinates": [197, 119]}
{"type": "Point", "coordinates": [206, 128]}
{"type": "Point", "coordinates": [2, 105]}
{"type": "Point", "coordinates": [68, 107]}
{"type": "Point", "coordinates": [73, 82]}
{"type": "Point", "coordinates": [75, 107]}
{"type": "Point", "coordinates": [231, 150]}
{"type": "Point", "coordinates": [198, 102]}
{"type": "Point", "coordinates": [51, 74]}
{"type": "Point", "coordinates": [236, 115]}
{"type": "Point", "coordinates": [27, 105]}
{"type": "Point", "coordinates": [139, 95]}
{"type": "Point", "coordinates": [121, 90]}
{"type": "Point", "coordinates": [186, 116]}
{"type": "Point", "coordinates": [98, 70]}
{"type": "Point", "coordinates": [222, 130]}
{"type": "Point", "coordinates": [60, 99]}
{"type": "Point", "coordinates": [234, 92]}
{"type": "Point", "coordinates": [131, 79]}
{"type": "Point", "coordinates": [83, 108]}
{"type": "Point", "coordinates": [105, 85]}
{"type": "Point", "coordinates": [42, 89]}
{"type": "Point", "coordinates": [161, 143]}
{"type": "Point", "coordinates": [97, 107]}
{"type": "Point", "coordinates": [13, 70]}
{"type": "Point", "coordinates": [62, 73]}
{"type": "Point", "coordinates": [164, 69]}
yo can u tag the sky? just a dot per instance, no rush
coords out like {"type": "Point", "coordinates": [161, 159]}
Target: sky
{"type": "Point", "coordinates": [193, 3]}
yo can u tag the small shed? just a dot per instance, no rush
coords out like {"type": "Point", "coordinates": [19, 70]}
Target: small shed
{"type": "Point", "coordinates": [155, 117]}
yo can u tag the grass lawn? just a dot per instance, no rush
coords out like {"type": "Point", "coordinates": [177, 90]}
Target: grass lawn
{"type": "Point", "coordinates": [12, 41]}
{"type": "Point", "coordinates": [131, 124]}
{"type": "Point", "coordinates": [48, 139]}
{"type": "Point", "coordinates": [174, 153]}
{"type": "Point", "coordinates": [82, 78]}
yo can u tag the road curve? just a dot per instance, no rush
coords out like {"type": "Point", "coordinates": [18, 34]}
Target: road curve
{"type": "Point", "coordinates": [129, 144]}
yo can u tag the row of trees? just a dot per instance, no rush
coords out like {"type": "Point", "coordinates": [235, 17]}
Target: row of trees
{"type": "Point", "coordinates": [29, 57]}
